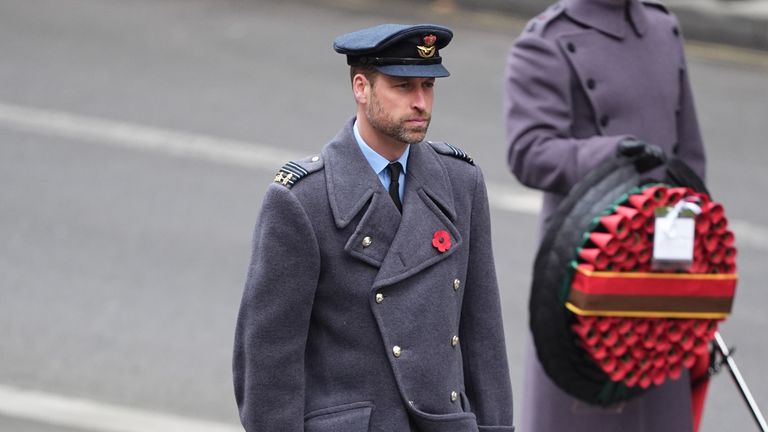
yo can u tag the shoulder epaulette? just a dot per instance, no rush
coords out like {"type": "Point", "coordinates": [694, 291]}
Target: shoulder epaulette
{"type": "Point", "coordinates": [447, 149]}
{"type": "Point", "coordinates": [540, 22]}
{"type": "Point", "coordinates": [293, 171]}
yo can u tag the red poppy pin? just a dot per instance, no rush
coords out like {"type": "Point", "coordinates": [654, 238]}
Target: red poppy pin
{"type": "Point", "coordinates": [441, 240]}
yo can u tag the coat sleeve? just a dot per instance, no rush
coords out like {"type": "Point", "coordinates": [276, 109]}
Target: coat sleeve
{"type": "Point", "coordinates": [542, 152]}
{"type": "Point", "coordinates": [690, 147]}
{"type": "Point", "coordinates": [486, 371]}
{"type": "Point", "coordinates": [272, 326]}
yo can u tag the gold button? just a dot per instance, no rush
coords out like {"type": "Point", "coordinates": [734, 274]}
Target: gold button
{"type": "Point", "coordinates": [379, 297]}
{"type": "Point", "coordinates": [454, 341]}
{"type": "Point", "coordinates": [456, 284]}
{"type": "Point", "coordinates": [315, 158]}
{"type": "Point", "coordinates": [396, 351]}
{"type": "Point", "coordinates": [367, 241]}
{"type": "Point", "coordinates": [454, 396]}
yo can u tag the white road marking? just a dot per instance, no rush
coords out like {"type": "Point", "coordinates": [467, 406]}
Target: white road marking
{"type": "Point", "coordinates": [248, 154]}
{"type": "Point", "coordinates": [502, 197]}
{"type": "Point", "coordinates": [749, 234]}
{"type": "Point", "coordinates": [198, 146]}
{"type": "Point", "coordinates": [139, 137]}
{"type": "Point", "coordinates": [96, 416]}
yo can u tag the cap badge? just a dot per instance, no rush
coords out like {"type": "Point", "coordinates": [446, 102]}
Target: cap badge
{"type": "Point", "coordinates": [428, 49]}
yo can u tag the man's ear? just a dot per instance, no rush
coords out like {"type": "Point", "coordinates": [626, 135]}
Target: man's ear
{"type": "Point", "coordinates": [361, 88]}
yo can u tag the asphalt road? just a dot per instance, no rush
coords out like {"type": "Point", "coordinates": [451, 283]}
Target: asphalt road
{"type": "Point", "coordinates": [131, 171]}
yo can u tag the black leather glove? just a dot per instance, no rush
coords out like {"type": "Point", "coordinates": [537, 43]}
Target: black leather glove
{"type": "Point", "coordinates": [646, 156]}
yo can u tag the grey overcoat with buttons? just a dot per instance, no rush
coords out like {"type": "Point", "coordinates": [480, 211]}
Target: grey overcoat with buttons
{"type": "Point", "coordinates": [583, 76]}
{"type": "Point", "coordinates": [351, 320]}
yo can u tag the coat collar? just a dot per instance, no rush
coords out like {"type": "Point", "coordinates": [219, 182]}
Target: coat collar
{"type": "Point", "coordinates": [609, 16]}
{"type": "Point", "coordinates": [352, 182]}
{"type": "Point", "coordinates": [350, 179]}
{"type": "Point", "coordinates": [400, 245]}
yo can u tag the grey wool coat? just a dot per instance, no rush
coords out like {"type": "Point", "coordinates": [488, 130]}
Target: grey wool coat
{"type": "Point", "coordinates": [351, 320]}
{"type": "Point", "coordinates": [583, 76]}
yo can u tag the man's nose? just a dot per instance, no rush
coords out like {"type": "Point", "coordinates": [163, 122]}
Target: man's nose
{"type": "Point", "coordinates": [419, 101]}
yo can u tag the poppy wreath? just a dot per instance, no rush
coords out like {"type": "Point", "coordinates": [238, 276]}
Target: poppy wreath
{"type": "Point", "coordinates": [642, 325]}
{"type": "Point", "coordinates": [606, 324]}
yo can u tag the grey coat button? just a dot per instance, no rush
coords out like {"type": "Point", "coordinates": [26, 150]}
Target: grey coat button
{"type": "Point", "coordinates": [456, 284]}
{"type": "Point", "coordinates": [367, 241]}
{"type": "Point", "coordinates": [604, 120]}
{"type": "Point", "coordinates": [591, 84]}
{"type": "Point", "coordinates": [396, 351]}
{"type": "Point", "coordinates": [571, 47]}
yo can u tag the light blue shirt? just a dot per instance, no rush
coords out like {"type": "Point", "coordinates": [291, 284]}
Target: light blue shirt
{"type": "Point", "coordinates": [379, 163]}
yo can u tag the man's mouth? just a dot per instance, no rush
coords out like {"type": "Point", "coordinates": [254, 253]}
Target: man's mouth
{"type": "Point", "coordinates": [417, 121]}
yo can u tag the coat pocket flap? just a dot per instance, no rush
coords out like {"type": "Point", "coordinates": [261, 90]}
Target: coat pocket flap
{"type": "Point", "coordinates": [353, 417]}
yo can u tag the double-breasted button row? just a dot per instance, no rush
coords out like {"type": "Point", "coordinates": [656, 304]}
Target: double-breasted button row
{"type": "Point", "coordinates": [591, 85]}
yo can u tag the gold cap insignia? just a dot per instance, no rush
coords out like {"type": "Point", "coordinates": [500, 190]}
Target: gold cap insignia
{"type": "Point", "coordinates": [428, 49]}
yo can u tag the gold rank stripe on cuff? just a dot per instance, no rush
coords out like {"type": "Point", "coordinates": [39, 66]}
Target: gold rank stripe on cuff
{"type": "Point", "coordinates": [289, 174]}
{"type": "Point", "coordinates": [461, 154]}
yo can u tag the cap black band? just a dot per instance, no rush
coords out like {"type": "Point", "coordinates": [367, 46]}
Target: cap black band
{"type": "Point", "coordinates": [387, 61]}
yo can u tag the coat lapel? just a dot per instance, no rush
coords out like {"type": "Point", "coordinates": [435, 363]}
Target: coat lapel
{"type": "Point", "coordinates": [353, 187]}
{"type": "Point", "coordinates": [400, 245]}
{"type": "Point", "coordinates": [428, 207]}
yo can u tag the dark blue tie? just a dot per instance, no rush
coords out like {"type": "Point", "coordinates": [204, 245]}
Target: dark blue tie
{"type": "Point", "coordinates": [394, 183]}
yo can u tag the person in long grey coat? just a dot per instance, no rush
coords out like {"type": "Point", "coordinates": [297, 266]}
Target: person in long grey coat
{"type": "Point", "coordinates": [585, 80]}
{"type": "Point", "coordinates": [371, 301]}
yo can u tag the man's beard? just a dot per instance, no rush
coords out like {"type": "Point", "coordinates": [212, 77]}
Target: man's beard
{"type": "Point", "coordinates": [395, 128]}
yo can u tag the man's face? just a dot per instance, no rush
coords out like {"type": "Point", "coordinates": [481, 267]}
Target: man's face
{"type": "Point", "coordinates": [401, 108]}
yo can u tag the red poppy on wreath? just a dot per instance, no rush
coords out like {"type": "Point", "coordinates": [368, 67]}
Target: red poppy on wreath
{"type": "Point", "coordinates": [441, 240]}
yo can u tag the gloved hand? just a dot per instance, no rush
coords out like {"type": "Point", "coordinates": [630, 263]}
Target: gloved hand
{"type": "Point", "coordinates": [646, 156]}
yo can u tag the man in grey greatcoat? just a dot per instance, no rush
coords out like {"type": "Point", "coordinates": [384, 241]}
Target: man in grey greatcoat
{"type": "Point", "coordinates": [371, 302]}
{"type": "Point", "coordinates": [585, 80]}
